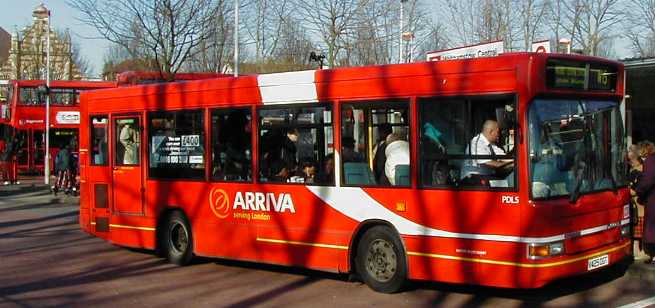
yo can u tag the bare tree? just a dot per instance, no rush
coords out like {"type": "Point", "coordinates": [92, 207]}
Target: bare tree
{"type": "Point", "coordinates": [294, 45]}
{"type": "Point", "coordinates": [172, 29]}
{"type": "Point", "coordinates": [375, 35]}
{"type": "Point", "coordinates": [264, 22]}
{"type": "Point", "coordinates": [590, 24]}
{"type": "Point", "coordinates": [481, 21]}
{"type": "Point", "coordinates": [640, 27]}
{"type": "Point", "coordinates": [436, 38]}
{"type": "Point", "coordinates": [214, 54]}
{"type": "Point", "coordinates": [335, 21]}
{"type": "Point", "coordinates": [531, 17]}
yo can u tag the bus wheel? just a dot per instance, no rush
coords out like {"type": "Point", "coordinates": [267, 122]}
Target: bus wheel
{"type": "Point", "coordinates": [380, 260]}
{"type": "Point", "coordinates": [178, 240]}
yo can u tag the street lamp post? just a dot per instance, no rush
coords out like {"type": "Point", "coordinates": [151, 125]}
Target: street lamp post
{"type": "Point", "coordinates": [236, 38]}
{"type": "Point", "coordinates": [46, 162]}
{"type": "Point", "coordinates": [400, 46]}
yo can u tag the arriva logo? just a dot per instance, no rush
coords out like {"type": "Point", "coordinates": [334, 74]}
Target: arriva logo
{"type": "Point", "coordinates": [258, 201]}
{"type": "Point", "coordinates": [219, 202]}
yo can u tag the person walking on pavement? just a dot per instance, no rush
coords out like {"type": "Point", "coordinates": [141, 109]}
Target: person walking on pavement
{"type": "Point", "coordinates": [63, 170]}
{"type": "Point", "coordinates": [646, 192]}
{"type": "Point", "coordinates": [8, 163]}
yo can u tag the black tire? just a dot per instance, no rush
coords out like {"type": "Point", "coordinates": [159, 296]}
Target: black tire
{"type": "Point", "coordinates": [177, 239]}
{"type": "Point", "coordinates": [381, 261]}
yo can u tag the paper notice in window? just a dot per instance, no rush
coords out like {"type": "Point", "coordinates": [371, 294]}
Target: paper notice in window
{"type": "Point", "coordinates": [195, 160]}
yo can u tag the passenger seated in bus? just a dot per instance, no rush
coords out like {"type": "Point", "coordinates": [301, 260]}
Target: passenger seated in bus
{"type": "Point", "coordinates": [379, 157]}
{"type": "Point", "coordinates": [306, 172]}
{"type": "Point", "coordinates": [396, 153]}
{"type": "Point", "coordinates": [485, 143]}
{"type": "Point", "coordinates": [348, 152]}
{"type": "Point", "coordinates": [326, 174]}
{"type": "Point", "coordinates": [434, 146]}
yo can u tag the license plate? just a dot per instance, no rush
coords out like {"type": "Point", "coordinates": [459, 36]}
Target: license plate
{"type": "Point", "coordinates": [597, 262]}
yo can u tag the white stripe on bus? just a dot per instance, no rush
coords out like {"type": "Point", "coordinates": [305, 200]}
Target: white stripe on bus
{"type": "Point", "coordinates": [355, 203]}
{"type": "Point", "coordinates": [289, 87]}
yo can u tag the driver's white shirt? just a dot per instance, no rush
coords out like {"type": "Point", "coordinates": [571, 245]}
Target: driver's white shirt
{"type": "Point", "coordinates": [479, 145]}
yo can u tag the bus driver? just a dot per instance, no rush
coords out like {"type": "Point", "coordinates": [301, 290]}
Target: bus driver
{"type": "Point", "coordinates": [485, 144]}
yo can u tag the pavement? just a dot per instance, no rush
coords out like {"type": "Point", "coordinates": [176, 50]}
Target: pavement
{"type": "Point", "coordinates": [35, 186]}
{"type": "Point", "coordinates": [639, 269]}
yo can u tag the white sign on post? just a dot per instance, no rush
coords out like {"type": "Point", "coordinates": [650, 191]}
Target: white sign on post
{"type": "Point", "coordinates": [541, 46]}
{"type": "Point", "coordinates": [490, 49]}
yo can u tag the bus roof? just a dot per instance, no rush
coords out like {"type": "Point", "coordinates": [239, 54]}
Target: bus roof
{"type": "Point", "coordinates": [79, 84]}
{"type": "Point", "coordinates": [494, 74]}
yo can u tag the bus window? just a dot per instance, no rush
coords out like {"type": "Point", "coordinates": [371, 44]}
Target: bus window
{"type": "Point", "coordinates": [30, 96]}
{"type": "Point", "coordinates": [99, 140]}
{"type": "Point", "coordinates": [467, 142]}
{"type": "Point", "coordinates": [177, 140]}
{"type": "Point", "coordinates": [64, 96]}
{"type": "Point", "coordinates": [295, 145]}
{"type": "Point", "coordinates": [375, 144]}
{"type": "Point", "coordinates": [231, 145]}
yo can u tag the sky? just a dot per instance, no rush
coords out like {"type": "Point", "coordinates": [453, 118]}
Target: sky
{"type": "Point", "coordinates": [16, 14]}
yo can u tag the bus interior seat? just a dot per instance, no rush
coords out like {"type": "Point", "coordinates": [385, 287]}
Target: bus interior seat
{"type": "Point", "coordinates": [358, 174]}
{"type": "Point", "coordinates": [402, 175]}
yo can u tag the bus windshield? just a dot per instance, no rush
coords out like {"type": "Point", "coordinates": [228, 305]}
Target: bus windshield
{"type": "Point", "coordinates": [575, 147]}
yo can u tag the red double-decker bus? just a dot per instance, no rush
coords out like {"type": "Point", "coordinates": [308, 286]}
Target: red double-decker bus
{"type": "Point", "coordinates": [505, 171]}
{"type": "Point", "coordinates": [22, 114]}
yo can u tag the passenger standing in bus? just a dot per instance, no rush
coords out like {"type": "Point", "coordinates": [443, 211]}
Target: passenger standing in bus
{"type": "Point", "coordinates": [646, 192]}
{"type": "Point", "coordinates": [379, 157]}
{"type": "Point", "coordinates": [279, 154]}
{"type": "Point", "coordinates": [396, 154]}
{"type": "Point", "coordinates": [129, 142]}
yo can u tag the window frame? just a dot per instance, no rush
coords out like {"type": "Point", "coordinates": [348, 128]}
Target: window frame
{"type": "Point", "coordinates": [510, 96]}
{"type": "Point", "coordinates": [329, 105]}
{"type": "Point", "coordinates": [386, 103]}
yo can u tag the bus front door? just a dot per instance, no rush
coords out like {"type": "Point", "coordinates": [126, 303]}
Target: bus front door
{"type": "Point", "coordinates": [127, 176]}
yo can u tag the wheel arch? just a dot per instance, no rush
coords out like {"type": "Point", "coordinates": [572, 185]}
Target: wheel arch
{"type": "Point", "coordinates": [359, 233]}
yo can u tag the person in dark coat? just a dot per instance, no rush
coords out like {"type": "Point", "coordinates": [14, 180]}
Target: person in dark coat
{"type": "Point", "coordinates": [646, 191]}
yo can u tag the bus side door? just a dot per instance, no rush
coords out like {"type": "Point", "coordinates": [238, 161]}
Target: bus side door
{"type": "Point", "coordinates": [127, 171]}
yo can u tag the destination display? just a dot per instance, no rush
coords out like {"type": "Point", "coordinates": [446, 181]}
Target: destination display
{"type": "Point", "coordinates": [580, 76]}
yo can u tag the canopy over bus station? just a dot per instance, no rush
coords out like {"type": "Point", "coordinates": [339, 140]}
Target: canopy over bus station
{"type": "Point", "coordinates": [640, 98]}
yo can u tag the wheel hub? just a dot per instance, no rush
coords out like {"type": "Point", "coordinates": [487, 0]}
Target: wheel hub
{"type": "Point", "coordinates": [381, 260]}
{"type": "Point", "coordinates": [179, 238]}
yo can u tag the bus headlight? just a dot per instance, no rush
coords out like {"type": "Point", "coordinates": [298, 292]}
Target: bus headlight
{"type": "Point", "coordinates": [625, 231]}
{"type": "Point", "coordinates": [538, 251]}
